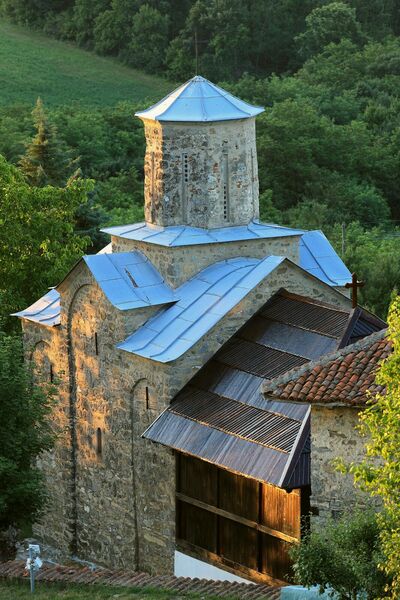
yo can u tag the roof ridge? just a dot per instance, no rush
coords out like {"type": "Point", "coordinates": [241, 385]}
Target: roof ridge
{"type": "Point", "coordinates": [270, 386]}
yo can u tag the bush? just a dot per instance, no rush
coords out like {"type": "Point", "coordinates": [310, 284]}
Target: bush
{"type": "Point", "coordinates": [343, 557]}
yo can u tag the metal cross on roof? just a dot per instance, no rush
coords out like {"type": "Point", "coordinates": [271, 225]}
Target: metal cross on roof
{"type": "Point", "coordinates": [354, 285]}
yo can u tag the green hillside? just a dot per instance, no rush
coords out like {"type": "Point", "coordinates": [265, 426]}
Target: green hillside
{"type": "Point", "coordinates": [33, 65]}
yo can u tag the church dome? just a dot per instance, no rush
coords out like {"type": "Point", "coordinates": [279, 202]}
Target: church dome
{"type": "Point", "coordinates": [199, 100]}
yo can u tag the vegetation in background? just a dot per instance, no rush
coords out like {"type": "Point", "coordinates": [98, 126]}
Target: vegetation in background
{"type": "Point", "coordinates": [327, 72]}
{"type": "Point", "coordinates": [379, 474]}
{"type": "Point", "coordinates": [25, 431]}
{"type": "Point", "coordinates": [32, 65]}
{"type": "Point", "coordinates": [38, 244]}
{"type": "Point", "coordinates": [232, 36]}
{"type": "Point", "coordinates": [343, 557]}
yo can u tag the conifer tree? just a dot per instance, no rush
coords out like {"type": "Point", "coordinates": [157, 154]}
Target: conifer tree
{"type": "Point", "coordinates": [47, 160]}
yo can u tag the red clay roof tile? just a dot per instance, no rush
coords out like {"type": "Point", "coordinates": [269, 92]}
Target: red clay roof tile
{"type": "Point", "coordinates": [346, 376]}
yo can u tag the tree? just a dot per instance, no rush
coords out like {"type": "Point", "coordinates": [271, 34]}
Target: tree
{"type": "Point", "coordinates": [149, 39]}
{"type": "Point", "coordinates": [37, 239]}
{"type": "Point", "coordinates": [47, 160]}
{"type": "Point", "coordinates": [379, 474]}
{"type": "Point", "coordinates": [343, 556]}
{"type": "Point", "coordinates": [25, 432]}
{"type": "Point", "coordinates": [328, 24]}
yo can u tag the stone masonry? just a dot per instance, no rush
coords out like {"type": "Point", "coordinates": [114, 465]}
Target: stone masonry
{"type": "Point", "coordinates": [201, 174]}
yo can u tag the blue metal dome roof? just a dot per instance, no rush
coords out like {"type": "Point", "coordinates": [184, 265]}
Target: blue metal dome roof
{"type": "Point", "coordinates": [199, 100]}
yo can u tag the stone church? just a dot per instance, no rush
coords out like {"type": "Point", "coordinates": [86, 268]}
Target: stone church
{"type": "Point", "coordinates": [174, 446]}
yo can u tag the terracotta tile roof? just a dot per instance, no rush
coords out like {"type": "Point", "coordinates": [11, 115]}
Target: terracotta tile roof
{"type": "Point", "coordinates": [182, 585]}
{"type": "Point", "coordinates": [342, 377]}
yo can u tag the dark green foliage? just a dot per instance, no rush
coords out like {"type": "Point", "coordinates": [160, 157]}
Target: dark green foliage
{"type": "Point", "coordinates": [149, 40]}
{"type": "Point", "coordinates": [37, 240]}
{"type": "Point", "coordinates": [327, 24]}
{"type": "Point", "coordinates": [25, 431]}
{"type": "Point", "coordinates": [343, 556]}
{"type": "Point", "coordinates": [233, 36]}
{"type": "Point", "coordinates": [47, 159]}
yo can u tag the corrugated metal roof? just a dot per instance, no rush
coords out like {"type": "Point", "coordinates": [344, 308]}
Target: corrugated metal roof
{"type": "Point", "coordinates": [225, 398]}
{"type": "Point", "coordinates": [258, 359]}
{"type": "Point", "coordinates": [221, 412]}
{"type": "Point", "coordinates": [183, 235]}
{"type": "Point", "coordinates": [202, 301]}
{"type": "Point", "coordinates": [318, 257]}
{"type": "Point", "coordinates": [254, 424]}
{"type": "Point", "coordinates": [45, 311]}
{"type": "Point", "coordinates": [199, 100]}
{"type": "Point", "coordinates": [129, 280]}
{"type": "Point", "coordinates": [309, 315]}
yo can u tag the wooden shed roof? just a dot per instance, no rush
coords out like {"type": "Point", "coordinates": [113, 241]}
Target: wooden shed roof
{"type": "Point", "coordinates": [222, 416]}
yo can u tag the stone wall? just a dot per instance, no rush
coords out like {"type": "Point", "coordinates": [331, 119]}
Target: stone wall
{"type": "Point", "coordinates": [333, 435]}
{"type": "Point", "coordinates": [201, 174]}
{"type": "Point", "coordinates": [177, 264]}
{"type": "Point", "coordinates": [47, 346]}
{"type": "Point", "coordinates": [113, 493]}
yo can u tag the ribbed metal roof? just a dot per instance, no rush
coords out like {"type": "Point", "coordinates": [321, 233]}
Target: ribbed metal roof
{"type": "Point", "coordinates": [316, 254]}
{"type": "Point", "coordinates": [199, 100]}
{"type": "Point", "coordinates": [45, 311]}
{"type": "Point", "coordinates": [202, 301]}
{"type": "Point", "coordinates": [183, 235]}
{"type": "Point", "coordinates": [129, 280]}
{"type": "Point", "coordinates": [319, 258]}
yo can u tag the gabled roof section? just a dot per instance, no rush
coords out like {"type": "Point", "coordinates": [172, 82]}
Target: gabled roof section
{"type": "Point", "coordinates": [319, 258]}
{"type": "Point", "coordinates": [183, 235]}
{"type": "Point", "coordinates": [199, 100]}
{"type": "Point", "coordinates": [202, 301]}
{"type": "Point", "coordinates": [344, 377]}
{"type": "Point", "coordinates": [45, 311]}
{"type": "Point", "coordinates": [129, 280]}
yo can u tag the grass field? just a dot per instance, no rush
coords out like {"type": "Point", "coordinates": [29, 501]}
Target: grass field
{"type": "Point", "coordinates": [33, 65]}
{"type": "Point", "coordinates": [21, 591]}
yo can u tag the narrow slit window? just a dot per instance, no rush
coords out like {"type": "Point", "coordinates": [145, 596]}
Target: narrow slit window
{"type": "Point", "coordinates": [225, 203]}
{"type": "Point", "coordinates": [225, 183]}
{"type": "Point", "coordinates": [185, 168]}
{"type": "Point", "coordinates": [96, 344]}
{"type": "Point", "coordinates": [147, 398]}
{"type": "Point", "coordinates": [51, 374]}
{"type": "Point", "coordinates": [99, 442]}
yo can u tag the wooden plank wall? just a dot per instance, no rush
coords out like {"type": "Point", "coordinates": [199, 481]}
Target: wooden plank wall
{"type": "Point", "coordinates": [236, 521]}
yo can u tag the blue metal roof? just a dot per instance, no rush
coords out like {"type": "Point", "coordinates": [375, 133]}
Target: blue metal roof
{"type": "Point", "coordinates": [319, 258]}
{"type": "Point", "coordinates": [183, 235]}
{"type": "Point", "coordinates": [45, 311]}
{"type": "Point", "coordinates": [129, 280]}
{"type": "Point", "coordinates": [203, 301]}
{"type": "Point", "coordinates": [199, 100]}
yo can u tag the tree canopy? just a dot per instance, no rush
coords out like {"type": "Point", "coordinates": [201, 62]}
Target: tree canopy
{"type": "Point", "coordinates": [25, 432]}
{"type": "Point", "coordinates": [37, 239]}
{"type": "Point", "coordinates": [379, 474]}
